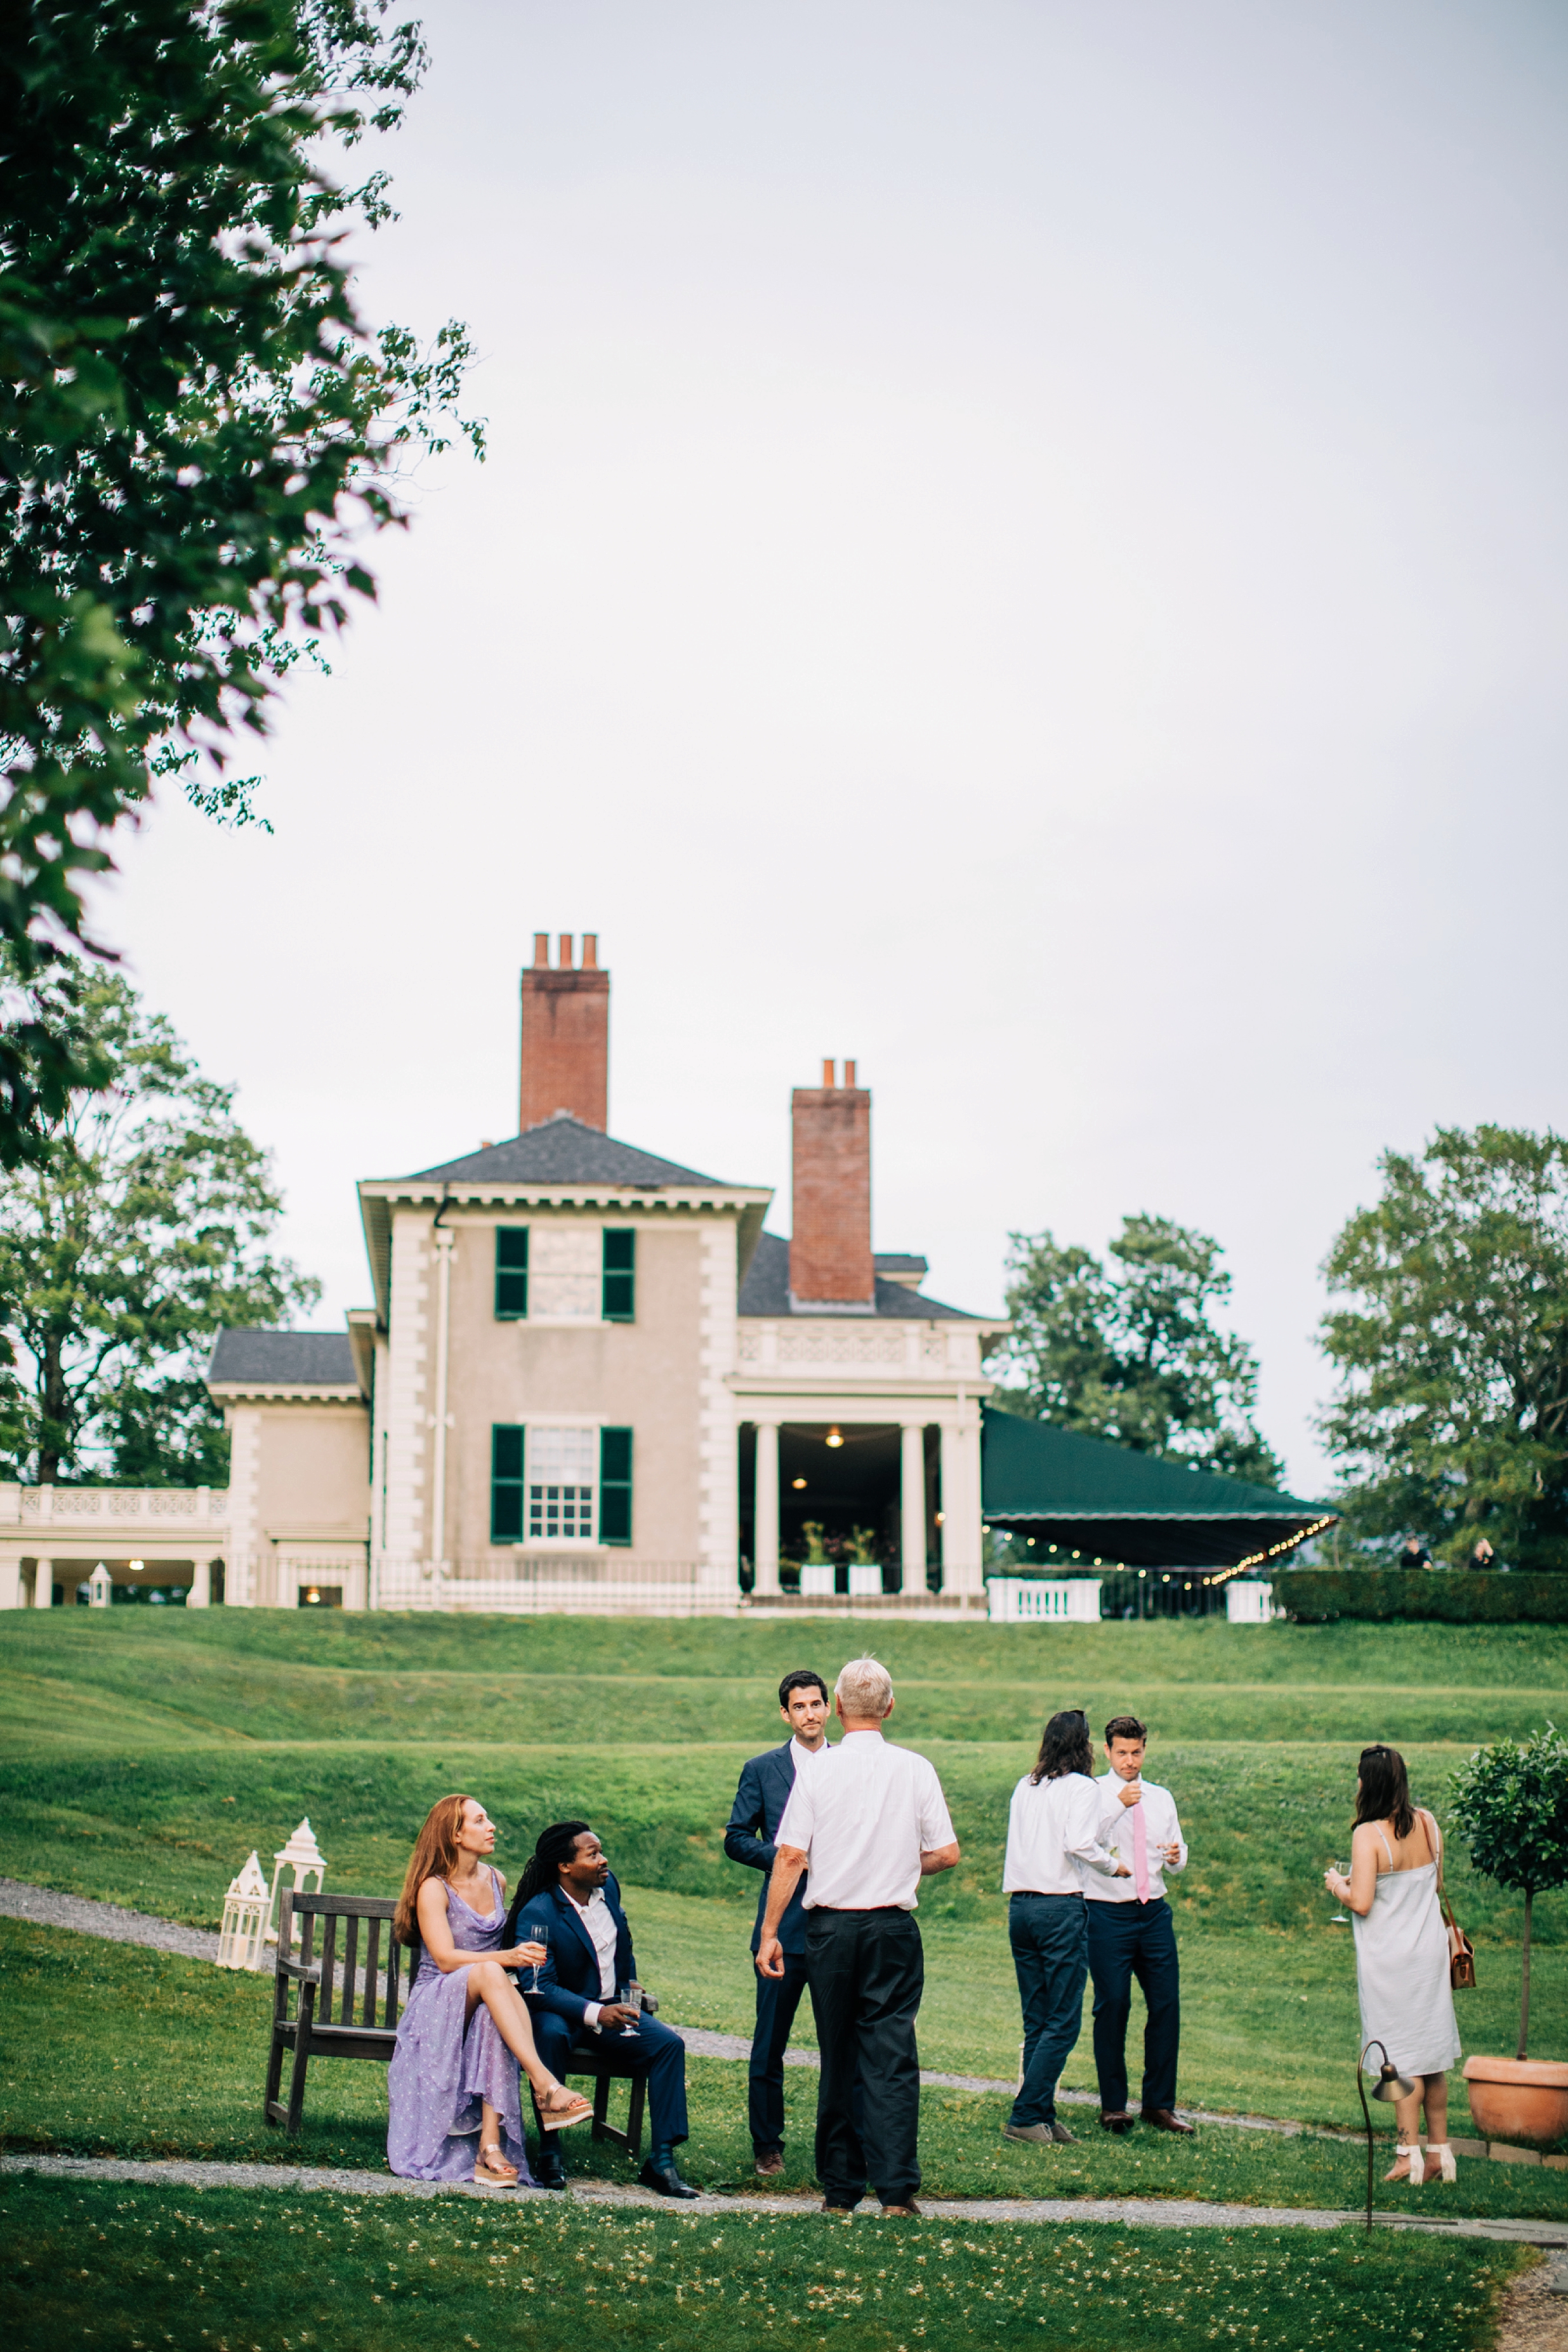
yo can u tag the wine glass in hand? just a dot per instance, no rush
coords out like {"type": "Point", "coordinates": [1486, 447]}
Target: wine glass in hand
{"type": "Point", "coordinates": [539, 1935]}
{"type": "Point", "coordinates": [630, 1996]}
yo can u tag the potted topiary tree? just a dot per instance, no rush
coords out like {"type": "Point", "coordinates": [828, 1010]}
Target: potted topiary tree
{"type": "Point", "coordinates": [817, 1573]}
{"type": "Point", "coordinates": [1511, 1804]}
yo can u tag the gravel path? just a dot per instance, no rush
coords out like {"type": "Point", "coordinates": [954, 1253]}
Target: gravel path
{"type": "Point", "coordinates": [1162, 2213]}
{"type": "Point", "coordinates": [48, 1909]}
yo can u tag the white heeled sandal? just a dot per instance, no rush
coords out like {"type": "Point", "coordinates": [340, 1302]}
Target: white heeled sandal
{"type": "Point", "coordinates": [1447, 2169]}
{"type": "Point", "coordinates": [1415, 2164]}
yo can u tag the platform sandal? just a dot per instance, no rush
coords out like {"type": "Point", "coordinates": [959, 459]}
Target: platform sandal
{"type": "Point", "coordinates": [554, 2118]}
{"type": "Point", "coordinates": [1447, 2169]}
{"type": "Point", "coordinates": [491, 2165]}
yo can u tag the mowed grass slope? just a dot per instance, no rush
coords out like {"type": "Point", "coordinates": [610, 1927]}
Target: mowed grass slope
{"type": "Point", "coordinates": [143, 1754]}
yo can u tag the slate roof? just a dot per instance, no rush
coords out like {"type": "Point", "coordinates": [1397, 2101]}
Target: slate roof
{"type": "Point", "coordinates": [285, 1359]}
{"type": "Point", "coordinates": [563, 1150]}
{"type": "Point", "coordinates": [766, 1290]}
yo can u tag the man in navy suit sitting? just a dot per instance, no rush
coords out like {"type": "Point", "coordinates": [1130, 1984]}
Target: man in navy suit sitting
{"type": "Point", "coordinates": [759, 1802]}
{"type": "Point", "coordinates": [568, 1888]}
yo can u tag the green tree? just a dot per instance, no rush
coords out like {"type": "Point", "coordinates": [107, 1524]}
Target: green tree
{"type": "Point", "coordinates": [196, 431]}
{"type": "Point", "coordinates": [1452, 1347]}
{"type": "Point", "coordinates": [1130, 1352]}
{"type": "Point", "coordinates": [139, 1235]}
{"type": "Point", "coordinates": [1510, 1804]}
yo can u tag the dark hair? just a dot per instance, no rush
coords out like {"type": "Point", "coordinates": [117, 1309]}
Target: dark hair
{"type": "Point", "coordinates": [541, 1872]}
{"type": "Point", "coordinates": [1064, 1747]}
{"type": "Point", "coordinates": [801, 1679]}
{"type": "Point", "coordinates": [1384, 1792]}
{"type": "Point", "coordinates": [1125, 1726]}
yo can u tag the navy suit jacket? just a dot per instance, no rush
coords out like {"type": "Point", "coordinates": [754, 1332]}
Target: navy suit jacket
{"type": "Point", "coordinates": [758, 1807]}
{"type": "Point", "coordinates": [570, 1978]}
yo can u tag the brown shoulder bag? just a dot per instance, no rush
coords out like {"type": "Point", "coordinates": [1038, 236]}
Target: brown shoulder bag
{"type": "Point", "coordinates": [1461, 1951]}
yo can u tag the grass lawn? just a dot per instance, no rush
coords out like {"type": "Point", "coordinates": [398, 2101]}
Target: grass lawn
{"type": "Point", "coordinates": [111, 2050]}
{"type": "Point", "coordinates": [128, 2269]}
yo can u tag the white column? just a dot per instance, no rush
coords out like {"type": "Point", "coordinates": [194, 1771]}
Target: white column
{"type": "Point", "coordinates": [961, 1541]}
{"type": "Point", "coordinates": [911, 1507]}
{"type": "Point", "coordinates": [13, 1590]}
{"type": "Point", "coordinates": [201, 1590]}
{"type": "Point", "coordinates": [766, 1528]}
{"type": "Point", "coordinates": [43, 1582]}
{"type": "Point", "coordinates": [443, 1341]}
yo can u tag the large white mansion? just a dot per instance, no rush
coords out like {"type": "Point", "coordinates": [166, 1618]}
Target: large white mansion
{"type": "Point", "coordinates": [589, 1378]}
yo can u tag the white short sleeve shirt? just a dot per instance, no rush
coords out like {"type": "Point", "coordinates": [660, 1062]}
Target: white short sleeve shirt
{"type": "Point", "coordinates": [863, 1824]}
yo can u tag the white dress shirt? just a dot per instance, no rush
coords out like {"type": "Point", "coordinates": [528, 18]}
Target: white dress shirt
{"type": "Point", "coordinates": [1053, 1837]}
{"type": "Point", "coordinates": [1161, 1827]}
{"type": "Point", "coordinates": [599, 1921]}
{"type": "Point", "coordinates": [863, 1824]}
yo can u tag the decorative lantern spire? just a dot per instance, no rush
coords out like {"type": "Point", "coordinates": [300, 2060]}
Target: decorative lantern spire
{"type": "Point", "coordinates": [243, 1936]}
{"type": "Point", "coordinates": [302, 1855]}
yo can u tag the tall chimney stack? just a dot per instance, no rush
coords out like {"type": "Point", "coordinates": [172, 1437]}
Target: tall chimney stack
{"type": "Point", "coordinates": [566, 1035]}
{"type": "Point", "coordinates": [830, 1248]}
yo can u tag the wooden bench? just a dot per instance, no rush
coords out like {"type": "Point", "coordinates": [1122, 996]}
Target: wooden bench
{"type": "Point", "coordinates": [346, 2004]}
{"type": "Point", "coordinates": [341, 2003]}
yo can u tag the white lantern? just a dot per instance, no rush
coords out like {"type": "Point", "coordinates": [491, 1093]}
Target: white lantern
{"type": "Point", "coordinates": [99, 1585]}
{"type": "Point", "coordinates": [241, 1938]}
{"type": "Point", "coordinates": [302, 1855]}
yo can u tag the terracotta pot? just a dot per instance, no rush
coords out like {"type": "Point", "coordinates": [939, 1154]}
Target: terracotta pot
{"type": "Point", "coordinates": [1518, 2099]}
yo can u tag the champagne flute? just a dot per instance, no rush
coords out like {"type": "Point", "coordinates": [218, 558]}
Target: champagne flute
{"type": "Point", "coordinates": [1341, 1918]}
{"type": "Point", "coordinates": [630, 1996]}
{"type": "Point", "coordinates": [539, 1936]}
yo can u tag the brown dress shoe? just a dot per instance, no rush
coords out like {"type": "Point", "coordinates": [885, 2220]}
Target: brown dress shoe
{"type": "Point", "coordinates": [770, 2162]}
{"type": "Point", "coordinates": [1117, 2124]}
{"type": "Point", "coordinates": [1167, 2119]}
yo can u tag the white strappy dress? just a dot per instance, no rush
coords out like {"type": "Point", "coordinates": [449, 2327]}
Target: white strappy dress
{"type": "Point", "coordinates": [1402, 1971]}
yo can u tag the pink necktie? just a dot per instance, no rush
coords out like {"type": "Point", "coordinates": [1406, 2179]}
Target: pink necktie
{"type": "Point", "coordinates": [1140, 1854]}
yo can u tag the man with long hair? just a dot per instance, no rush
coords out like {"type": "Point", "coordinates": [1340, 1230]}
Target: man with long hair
{"type": "Point", "coordinates": [765, 1782]}
{"type": "Point", "coordinates": [569, 1889]}
{"type": "Point", "coordinates": [870, 1825]}
{"type": "Point", "coordinates": [1132, 1934]}
{"type": "Point", "coordinates": [1053, 1841]}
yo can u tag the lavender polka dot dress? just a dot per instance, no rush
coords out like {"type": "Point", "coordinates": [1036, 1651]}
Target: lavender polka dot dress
{"type": "Point", "coordinates": [440, 2074]}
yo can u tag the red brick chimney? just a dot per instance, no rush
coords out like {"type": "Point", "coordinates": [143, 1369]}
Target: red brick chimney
{"type": "Point", "coordinates": [829, 1250]}
{"type": "Point", "coordinates": [566, 1035]}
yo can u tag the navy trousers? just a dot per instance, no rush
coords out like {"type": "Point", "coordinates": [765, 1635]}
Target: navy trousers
{"type": "Point", "coordinates": [777, 1999]}
{"type": "Point", "coordinates": [658, 2054]}
{"type": "Point", "coordinates": [1128, 1940]}
{"type": "Point", "coordinates": [867, 1971]}
{"type": "Point", "coordinates": [1050, 1938]}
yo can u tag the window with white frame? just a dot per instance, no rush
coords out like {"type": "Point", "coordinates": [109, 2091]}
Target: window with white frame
{"type": "Point", "coordinates": [564, 1471]}
{"type": "Point", "coordinates": [565, 1272]}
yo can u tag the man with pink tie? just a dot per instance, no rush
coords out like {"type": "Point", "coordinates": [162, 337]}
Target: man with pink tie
{"type": "Point", "coordinates": [1131, 1935]}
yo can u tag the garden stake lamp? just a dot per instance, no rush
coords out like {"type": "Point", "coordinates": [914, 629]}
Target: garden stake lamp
{"type": "Point", "coordinates": [1391, 2085]}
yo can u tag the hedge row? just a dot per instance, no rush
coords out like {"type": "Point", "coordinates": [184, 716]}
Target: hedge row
{"type": "Point", "coordinates": [1316, 1596]}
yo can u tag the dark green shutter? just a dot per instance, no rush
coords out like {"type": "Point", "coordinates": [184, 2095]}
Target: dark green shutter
{"type": "Point", "coordinates": [615, 1486]}
{"type": "Point", "coordinates": [505, 1483]}
{"type": "Point", "coordinates": [619, 1276]}
{"type": "Point", "coordinates": [511, 1273]}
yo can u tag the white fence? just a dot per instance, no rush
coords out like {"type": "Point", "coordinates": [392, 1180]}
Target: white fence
{"type": "Point", "coordinates": [1247, 1604]}
{"type": "Point", "coordinates": [552, 1584]}
{"type": "Point", "coordinates": [1029, 1600]}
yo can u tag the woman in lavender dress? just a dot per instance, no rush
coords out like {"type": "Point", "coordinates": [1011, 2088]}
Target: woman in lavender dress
{"type": "Point", "coordinates": [465, 2031]}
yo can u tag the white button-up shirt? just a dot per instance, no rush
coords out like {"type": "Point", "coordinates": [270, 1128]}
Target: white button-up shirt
{"type": "Point", "coordinates": [862, 1822]}
{"type": "Point", "coordinates": [1053, 1837]}
{"type": "Point", "coordinates": [1161, 1827]}
{"type": "Point", "coordinates": [598, 1919]}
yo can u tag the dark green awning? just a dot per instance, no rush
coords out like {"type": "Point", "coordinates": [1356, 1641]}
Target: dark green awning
{"type": "Point", "coordinates": [1110, 1503]}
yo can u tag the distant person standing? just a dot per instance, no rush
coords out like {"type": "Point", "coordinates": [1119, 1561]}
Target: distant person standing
{"type": "Point", "coordinates": [1131, 1934]}
{"type": "Point", "coordinates": [869, 1826]}
{"type": "Point", "coordinates": [1053, 1841]}
{"type": "Point", "coordinates": [1482, 1559]}
{"type": "Point", "coordinates": [1414, 1554]}
{"type": "Point", "coordinates": [759, 1802]}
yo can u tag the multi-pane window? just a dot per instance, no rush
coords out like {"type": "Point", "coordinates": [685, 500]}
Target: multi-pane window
{"type": "Point", "coordinates": [566, 1270]}
{"type": "Point", "coordinates": [619, 1268]}
{"type": "Point", "coordinates": [563, 1470]}
{"type": "Point", "coordinates": [511, 1273]}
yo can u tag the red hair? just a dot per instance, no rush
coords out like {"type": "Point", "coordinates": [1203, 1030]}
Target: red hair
{"type": "Point", "coordinates": [435, 1855]}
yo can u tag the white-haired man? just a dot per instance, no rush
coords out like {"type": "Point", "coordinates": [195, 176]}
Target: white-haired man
{"type": "Point", "coordinates": [869, 1829]}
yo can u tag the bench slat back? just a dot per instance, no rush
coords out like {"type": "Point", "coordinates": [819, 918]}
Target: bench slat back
{"type": "Point", "coordinates": [354, 1990]}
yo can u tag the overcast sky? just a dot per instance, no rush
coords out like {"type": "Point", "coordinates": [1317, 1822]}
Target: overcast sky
{"type": "Point", "coordinates": [1024, 544]}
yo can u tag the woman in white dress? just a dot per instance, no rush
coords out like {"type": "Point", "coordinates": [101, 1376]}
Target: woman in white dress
{"type": "Point", "coordinates": [1402, 1955]}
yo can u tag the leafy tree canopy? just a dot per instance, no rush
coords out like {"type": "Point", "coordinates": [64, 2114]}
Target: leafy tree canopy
{"type": "Point", "coordinates": [1130, 1352]}
{"type": "Point", "coordinates": [142, 1231]}
{"type": "Point", "coordinates": [195, 429]}
{"type": "Point", "coordinates": [1452, 1347]}
{"type": "Point", "coordinates": [1510, 1804]}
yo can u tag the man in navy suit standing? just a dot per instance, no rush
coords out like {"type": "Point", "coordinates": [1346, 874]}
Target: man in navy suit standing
{"type": "Point", "coordinates": [568, 1888]}
{"type": "Point", "coordinates": [759, 1802]}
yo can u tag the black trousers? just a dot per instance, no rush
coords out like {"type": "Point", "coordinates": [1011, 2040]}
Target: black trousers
{"type": "Point", "coordinates": [777, 1999]}
{"type": "Point", "coordinates": [866, 1971]}
{"type": "Point", "coordinates": [1050, 1960]}
{"type": "Point", "coordinates": [1128, 1940]}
